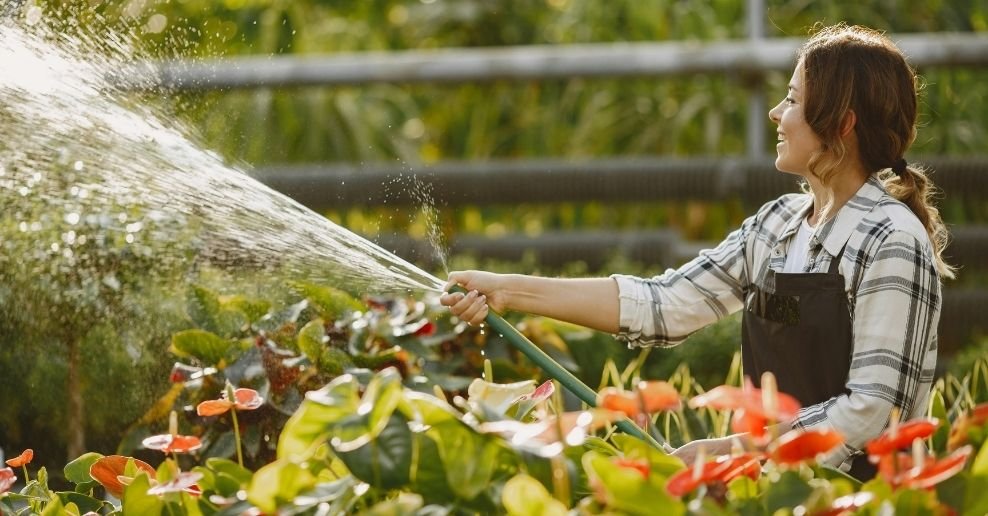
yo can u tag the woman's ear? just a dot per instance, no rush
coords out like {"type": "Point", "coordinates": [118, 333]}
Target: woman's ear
{"type": "Point", "coordinates": [847, 125]}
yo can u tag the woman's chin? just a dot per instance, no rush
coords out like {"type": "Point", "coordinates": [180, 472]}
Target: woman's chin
{"type": "Point", "coordinates": [784, 167]}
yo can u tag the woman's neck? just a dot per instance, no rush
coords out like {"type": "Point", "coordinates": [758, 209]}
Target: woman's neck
{"type": "Point", "coordinates": [829, 199]}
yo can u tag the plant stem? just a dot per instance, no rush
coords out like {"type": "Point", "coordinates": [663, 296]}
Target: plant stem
{"type": "Point", "coordinates": [236, 435]}
{"type": "Point", "coordinates": [26, 478]}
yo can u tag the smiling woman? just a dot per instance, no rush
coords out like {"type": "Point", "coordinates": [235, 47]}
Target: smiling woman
{"type": "Point", "coordinates": [840, 285]}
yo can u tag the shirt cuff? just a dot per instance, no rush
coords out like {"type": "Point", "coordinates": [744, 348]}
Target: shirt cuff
{"type": "Point", "coordinates": [634, 301]}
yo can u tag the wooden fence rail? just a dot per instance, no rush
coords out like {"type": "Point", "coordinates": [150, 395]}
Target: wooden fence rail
{"type": "Point", "coordinates": [745, 57]}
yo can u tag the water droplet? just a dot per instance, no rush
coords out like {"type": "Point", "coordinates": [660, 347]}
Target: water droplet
{"type": "Point", "coordinates": [129, 238]}
{"type": "Point", "coordinates": [77, 166]}
{"type": "Point", "coordinates": [55, 247]}
{"type": "Point", "coordinates": [72, 218]}
{"type": "Point", "coordinates": [32, 15]}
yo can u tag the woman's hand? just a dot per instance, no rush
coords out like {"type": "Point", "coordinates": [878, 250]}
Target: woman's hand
{"type": "Point", "coordinates": [485, 292]}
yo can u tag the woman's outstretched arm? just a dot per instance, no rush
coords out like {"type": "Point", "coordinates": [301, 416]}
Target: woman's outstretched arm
{"type": "Point", "coordinates": [590, 302]}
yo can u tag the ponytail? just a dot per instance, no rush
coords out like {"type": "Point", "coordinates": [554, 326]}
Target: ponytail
{"type": "Point", "coordinates": [912, 187]}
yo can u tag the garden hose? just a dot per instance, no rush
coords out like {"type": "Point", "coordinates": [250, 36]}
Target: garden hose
{"type": "Point", "coordinates": [556, 371]}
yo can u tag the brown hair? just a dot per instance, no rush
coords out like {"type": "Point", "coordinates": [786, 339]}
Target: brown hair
{"type": "Point", "coordinates": [852, 68]}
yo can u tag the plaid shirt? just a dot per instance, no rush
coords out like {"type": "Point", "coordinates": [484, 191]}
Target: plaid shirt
{"type": "Point", "coordinates": [892, 285]}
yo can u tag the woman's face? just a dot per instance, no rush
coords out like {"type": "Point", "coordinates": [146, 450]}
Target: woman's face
{"type": "Point", "coordinates": [797, 142]}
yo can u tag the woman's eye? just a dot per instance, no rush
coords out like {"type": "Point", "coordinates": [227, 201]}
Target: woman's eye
{"type": "Point", "coordinates": [790, 100]}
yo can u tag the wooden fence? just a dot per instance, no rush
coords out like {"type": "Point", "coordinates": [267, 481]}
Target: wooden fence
{"type": "Point", "coordinates": [751, 178]}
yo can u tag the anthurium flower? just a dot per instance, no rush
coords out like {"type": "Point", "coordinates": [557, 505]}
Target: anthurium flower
{"type": "Point", "coordinates": [545, 437]}
{"type": "Point", "coordinates": [499, 396]}
{"type": "Point", "coordinates": [900, 436]}
{"type": "Point", "coordinates": [172, 443]}
{"type": "Point", "coordinates": [109, 471]}
{"type": "Point", "coordinates": [798, 446]}
{"type": "Point", "coordinates": [7, 479]}
{"type": "Point", "coordinates": [184, 482]}
{"type": "Point", "coordinates": [723, 469]}
{"type": "Point", "coordinates": [936, 471]}
{"type": "Point", "coordinates": [618, 400]}
{"type": "Point", "coordinates": [21, 460]}
{"type": "Point", "coordinates": [244, 399]}
{"type": "Point", "coordinates": [750, 399]}
{"type": "Point", "coordinates": [647, 397]}
{"type": "Point", "coordinates": [905, 470]}
{"type": "Point", "coordinates": [657, 396]}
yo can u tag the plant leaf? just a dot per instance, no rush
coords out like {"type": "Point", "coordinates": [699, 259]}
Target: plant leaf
{"type": "Point", "coordinates": [77, 471]}
{"type": "Point", "coordinates": [278, 483]}
{"type": "Point", "coordinates": [525, 496]}
{"type": "Point", "coordinates": [208, 347]}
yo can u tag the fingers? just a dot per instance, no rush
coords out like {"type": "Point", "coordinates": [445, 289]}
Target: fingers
{"type": "Point", "coordinates": [471, 307]}
{"type": "Point", "coordinates": [477, 311]}
{"type": "Point", "coordinates": [455, 278]}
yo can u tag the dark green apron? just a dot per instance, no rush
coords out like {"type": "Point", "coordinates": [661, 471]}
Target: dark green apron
{"type": "Point", "coordinates": [802, 334]}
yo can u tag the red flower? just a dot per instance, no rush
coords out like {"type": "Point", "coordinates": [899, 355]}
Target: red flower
{"type": "Point", "coordinates": [617, 400]}
{"type": "Point", "coordinates": [172, 443]}
{"type": "Point", "coordinates": [902, 469]}
{"type": "Point", "coordinates": [657, 396]}
{"type": "Point", "coordinates": [749, 399]}
{"type": "Point", "coordinates": [900, 436]}
{"type": "Point", "coordinates": [23, 459]}
{"type": "Point", "coordinates": [108, 471]}
{"type": "Point", "coordinates": [648, 397]}
{"type": "Point", "coordinates": [722, 469]}
{"type": "Point", "coordinates": [801, 445]}
{"type": "Point", "coordinates": [244, 399]}
{"type": "Point", "coordinates": [640, 465]}
{"type": "Point", "coordinates": [7, 479]}
{"type": "Point", "coordinates": [754, 408]}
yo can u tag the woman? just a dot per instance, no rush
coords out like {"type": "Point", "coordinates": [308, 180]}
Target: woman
{"type": "Point", "coordinates": [840, 285]}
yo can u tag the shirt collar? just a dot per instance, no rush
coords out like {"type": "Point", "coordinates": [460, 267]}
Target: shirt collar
{"type": "Point", "coordinates": [836, 231]}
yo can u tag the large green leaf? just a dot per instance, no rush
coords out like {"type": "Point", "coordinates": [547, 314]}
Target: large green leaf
{"type": "Point", "coordinates": [912, 502]}
{"type": "Point", "coordinates": [277, 484]}
{"type": "Point", "coordinates": [83, 502]}
{"type": "Point", "coordinates": [427, 475]}
{"type": "Point", "coordinates": [525, 496]}
{"type": "Point", "coordinates": [470, 458]}
{"type": "Point", "coordinates": [77, 471]}
{"type": "Point", "coordinates": [312, 339]}
{"type": "Point", "coordinates": [206, 310]}
{"type": "Point", "coordinates": [137, 501]}
{"type": "Point", "coordinates": [253, 309]}
{"type": "Point", "coordinates": [660, 463]}
{"type": "Point", "coordinates": [313, 422]}
{"type": "Point", "coordinates": [209, 348]}
{"type": "Point", "coordinates": [789, 490]}
{"type": "Point", "coordinates": [426, 409]}
{"type": "Point", "coordinates": [980, 465]}
{"type": "Point", "coordinates": [627, 491]}
{"type": "Point", "coordinates": [331, 303]}
{"type": "Point", "coordinates": [383, 461]}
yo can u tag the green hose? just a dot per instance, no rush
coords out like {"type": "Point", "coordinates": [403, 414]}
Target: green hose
{"type": "Point", "coordinates": [556, 371]}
